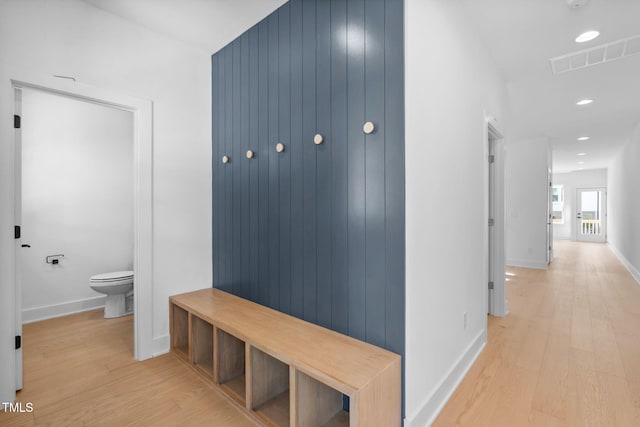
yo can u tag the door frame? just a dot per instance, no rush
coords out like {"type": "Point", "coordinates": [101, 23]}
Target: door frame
{"type": "Point", "coordinates": [496, 303]}
{"type": "Point", "coordinates": [10, 319]}
{"type": "Point", "coordinates": [603, 220]}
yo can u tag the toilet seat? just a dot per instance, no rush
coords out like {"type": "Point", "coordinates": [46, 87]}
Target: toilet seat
{"type": "Point", "coordinates": [116, 276]}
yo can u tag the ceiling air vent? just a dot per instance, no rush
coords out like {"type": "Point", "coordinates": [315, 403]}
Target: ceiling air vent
{"type": "Point", "coordinates": [596, 55]}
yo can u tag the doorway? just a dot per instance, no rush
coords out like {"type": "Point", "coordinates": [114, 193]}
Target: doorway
{"type": "Point", "coordinates": [495, 220]}
{"type": "Point", "coordinates": [76, 201]}
{"type": "Point", "coordinates": [142, 207]}
{"type": "Point", "coordinates": [591, 215]}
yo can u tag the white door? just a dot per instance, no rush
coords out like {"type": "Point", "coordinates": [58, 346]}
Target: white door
{"type": "Point", "coordinates": [491, 225]}
{"type": "Point", "coordinates": [549, 218]}
{"type": "Point", "coordinates": [18, 241]}
{"type": "Point", "coordinates": [591, 215]}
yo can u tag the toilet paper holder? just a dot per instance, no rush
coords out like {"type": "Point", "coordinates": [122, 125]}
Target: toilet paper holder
{"type": "Point", "coordinates": [54, 259]}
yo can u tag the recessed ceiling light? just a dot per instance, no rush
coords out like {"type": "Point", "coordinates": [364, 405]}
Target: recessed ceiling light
{"type": "Point", "coordinates": [581, 163]}
{"type": "Point", "coordinates": [582, 154]}
{"type": "Point", "coordinates": [583, 138]}
{"type": "Point", "coordinates": [587, 36]}
{"type": "Point", "coordinates": [584, 102]}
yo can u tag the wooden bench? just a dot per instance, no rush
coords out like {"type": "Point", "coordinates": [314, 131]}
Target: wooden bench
{"type": "Point", "coordinates": [281, 370]}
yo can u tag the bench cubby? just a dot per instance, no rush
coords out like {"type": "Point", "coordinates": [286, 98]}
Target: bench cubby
{"type": "Point", "coordinates": [283, 371]}
{"type": "Point", "coordinates": [230, 364]}
{"type": "Point", "coordinates": [269, 387]}
{"type": "Point", "coordinates": [179, 319]}
{"type": "Point", "coordinates": [202, 345]}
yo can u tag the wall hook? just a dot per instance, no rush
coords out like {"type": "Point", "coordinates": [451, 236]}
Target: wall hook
{"type": "Point", "coordinates": [318, 138]}
{"type": "Point", "coordinates": [368, 128]}
{"type": "Point", "coordinates": [280, 148]}
{"type": "Point", "coordinates": [225, 159]}
{"type": "Point", "coordinates": [249, 154]}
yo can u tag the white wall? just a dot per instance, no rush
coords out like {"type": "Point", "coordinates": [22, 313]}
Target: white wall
{"type": "Point", "coordinates": [77, 200]}
{"type": "Point", "coordinates": [450, 82]}
{"type": "Point", "coordinates": [72, 38]}
{"type": "Point", "coordinates": [527, 201]}
{"type": "Point", "coordinates": [571, 181]}
{"type": "Point", "coordinates": [624, 204]}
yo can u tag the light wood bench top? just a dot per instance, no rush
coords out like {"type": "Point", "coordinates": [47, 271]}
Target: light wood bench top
{"type": "Point", "coordinates": [345, 363]}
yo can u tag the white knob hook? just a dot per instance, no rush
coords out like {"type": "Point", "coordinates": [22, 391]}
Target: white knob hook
{"type": "Point", "coordinates": [368, 128]}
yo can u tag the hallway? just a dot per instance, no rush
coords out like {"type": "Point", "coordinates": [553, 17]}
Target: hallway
{"type": "Point", "coordinates": [567, 354]}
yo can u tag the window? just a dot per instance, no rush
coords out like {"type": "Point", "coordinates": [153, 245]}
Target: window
{"type": "Point", "coordinates": [557, 199]}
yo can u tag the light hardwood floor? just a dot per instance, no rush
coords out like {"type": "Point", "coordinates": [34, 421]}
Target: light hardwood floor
{"type": "Point", "coordinates": [79, 370]}
{"type": "Point", "coordinates": [568, 354]}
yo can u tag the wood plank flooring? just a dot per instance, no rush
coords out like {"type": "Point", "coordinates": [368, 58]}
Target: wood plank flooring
{"type": "Point", "coordinates": [568, 354]}
{"type": "Point", "coordinates": [79, 370]}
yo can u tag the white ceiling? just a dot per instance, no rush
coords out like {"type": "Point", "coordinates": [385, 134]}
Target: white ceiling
{"type": "Point", "coordinates": [207, 24]}
{"type": "Point", "coordinates": [522, 35]}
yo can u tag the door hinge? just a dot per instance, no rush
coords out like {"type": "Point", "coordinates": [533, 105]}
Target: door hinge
{"type": "Point", "coordinates": [16, 231]}
{"type": "Point", "coordinates": [16, 121]}
{"type": "Point", "coordinates": [492, 158]}
{"type": "Point", "coordinates": [18, 342]}
{"type": "Point", "coordinates": [490, 285]}
{"type": "Point", "coordinates": [491, 222]}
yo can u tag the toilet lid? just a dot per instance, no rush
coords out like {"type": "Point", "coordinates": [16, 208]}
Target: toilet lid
{"type": "Point", "coordinates": [110, 277]}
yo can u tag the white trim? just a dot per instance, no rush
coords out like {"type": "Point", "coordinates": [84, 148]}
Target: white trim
{"type": "Point", "coordinates": [630, 267]}
{"type": "Point", "coordinates": [36, 314]}
{"type": "Point", "coordinates": [433, 404]}
{"type": "Point", "coordinates": [525, 263]}
{"type": "Point", "coordinates": [143, 192]}
{"type": "Point", "coordinates": [160, 345]}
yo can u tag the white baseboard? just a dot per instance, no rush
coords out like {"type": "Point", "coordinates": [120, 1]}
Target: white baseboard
{"type": "Point", "coordinates": [36, 314]}
{"type": "Point", "coordinates": [434, 403]}
{"type": "Point", "coordinates": [632, 269]}
{"type": "Point", "coordinates": [160, 346]}
{"type": "Point", "coordinates": [539, 265]}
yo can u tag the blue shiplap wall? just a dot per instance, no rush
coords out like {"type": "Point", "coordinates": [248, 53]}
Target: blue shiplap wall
{"type": "Point", "coordinates": [318, 230]}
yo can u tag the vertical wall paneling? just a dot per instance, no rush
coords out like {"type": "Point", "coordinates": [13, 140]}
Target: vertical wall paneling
{"type": "Point", "coordinates": [263, 160]}
{"type": "Point", "coordinates": [284, 159]}
{"type": "Point", "coordinates": [394, 175]}
{"type": "Point", "coordinates": [309, 159]}
{"type": "Point", "coordinates": [339, 166]}
{"type": "Point", "coordinates": [245, 190]}
{"type": "Point", "coordinates": [215, 177]}
{"type": "Point", "coordinates": [274, 138]}
{"type": "Point", "coordinates": [296, 155]}
{"type": "Point", "coordinates": [254, 181]}
{"type": "Point", "coordinates": [236, 169]}
{"type": "Point", "coordinates": [356, 241]}
{"type": "Point", "coordinates": [317, 230]}
{"type": "Point", "coordinates": [227, 249]}
{"type": "Point", "coordinates": [323, 161]}
{"type": "Point", "coordinates": [374, 173]}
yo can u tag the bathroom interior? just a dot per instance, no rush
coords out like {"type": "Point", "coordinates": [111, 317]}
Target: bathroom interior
{"type": "Point", "coordinates": [77, 210]}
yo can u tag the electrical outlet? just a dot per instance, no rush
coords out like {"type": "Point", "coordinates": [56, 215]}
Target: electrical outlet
{"type": "Point", "coordinates": [464, 320]}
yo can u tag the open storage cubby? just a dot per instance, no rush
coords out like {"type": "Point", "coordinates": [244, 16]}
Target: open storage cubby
{"type": "Point", "coordinates": [202, 341]}
{"type": "Point", "coordinates": [317, 404]}
{"type": "Point", "coordinates": [283, 371]}
{"type": "Point", "coordinates": [230, 365]}
{"type": "Point", "coordinates": [180, 331]}
{"type": "Point", "coordinates": [269, 387]}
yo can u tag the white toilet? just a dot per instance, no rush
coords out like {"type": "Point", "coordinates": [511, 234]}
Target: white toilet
{"type": "Point", "coordinates": [118, 286]}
